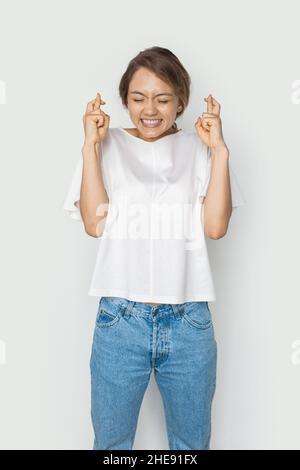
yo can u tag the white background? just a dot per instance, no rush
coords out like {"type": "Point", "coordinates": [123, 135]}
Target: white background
{"type": "Point", "coordinates": [55, 56]}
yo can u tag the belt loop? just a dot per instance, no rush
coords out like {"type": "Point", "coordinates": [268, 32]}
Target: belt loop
{"type": "Point", "coordinates": [178, 310]}
{"type": "Point", "coordinates": [127, 309]}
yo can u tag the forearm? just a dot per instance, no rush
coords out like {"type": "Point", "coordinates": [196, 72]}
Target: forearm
{"type": "Point", "coordinates": [217, 204]}
{"type": "Point", "coordinates": [93, 196]}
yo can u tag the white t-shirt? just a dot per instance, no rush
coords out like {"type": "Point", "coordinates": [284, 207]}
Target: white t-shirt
{"type": "Point", "coordinates": [153, 246]}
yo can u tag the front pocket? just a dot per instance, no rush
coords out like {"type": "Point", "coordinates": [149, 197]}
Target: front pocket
{"type": "Point", "coordinates": [105, 318]}
{"type": "Point", "coordinates": [198, 315]}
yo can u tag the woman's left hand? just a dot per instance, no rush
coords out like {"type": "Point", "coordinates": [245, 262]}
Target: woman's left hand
{"type": "Point", "coordinates": [209, 125]}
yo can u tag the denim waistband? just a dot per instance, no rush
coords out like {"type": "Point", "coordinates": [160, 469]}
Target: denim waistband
{"type": "Point", "coordinates": [129, 305]}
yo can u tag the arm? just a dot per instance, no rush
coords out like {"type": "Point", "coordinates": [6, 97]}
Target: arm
{"type": "Point", "coordinates": [93, 197]}
{"type": "Point", "coordinates": [217, 205]}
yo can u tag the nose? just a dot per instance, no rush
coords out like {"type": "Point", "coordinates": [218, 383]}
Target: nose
{"type": "Point", "coordinates": [150, 109]}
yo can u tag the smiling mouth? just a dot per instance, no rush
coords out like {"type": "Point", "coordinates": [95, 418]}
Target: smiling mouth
{"type": "Point", "coordinates": [151, 123]}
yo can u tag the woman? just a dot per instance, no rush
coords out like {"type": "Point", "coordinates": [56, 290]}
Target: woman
{"type": "Point", "coordinates": [139, 191]}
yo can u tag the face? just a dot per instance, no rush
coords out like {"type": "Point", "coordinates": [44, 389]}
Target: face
{"type": "Point", "coordinates": [152, 105]}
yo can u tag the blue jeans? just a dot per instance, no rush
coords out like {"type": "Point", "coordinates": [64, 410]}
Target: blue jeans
{"type": "Point", "coordinates": [132, 338]}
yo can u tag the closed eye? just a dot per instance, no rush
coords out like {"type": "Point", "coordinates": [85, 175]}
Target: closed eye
{"type": "Point", "coordinates": [158, 101]}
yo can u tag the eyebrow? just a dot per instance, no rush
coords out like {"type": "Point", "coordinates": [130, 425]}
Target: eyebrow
{"type": "Point", "coordinates": [158, 94]}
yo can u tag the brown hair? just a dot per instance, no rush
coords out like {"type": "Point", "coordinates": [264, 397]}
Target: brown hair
{"type": "Point", "coordinates": [166, 66]}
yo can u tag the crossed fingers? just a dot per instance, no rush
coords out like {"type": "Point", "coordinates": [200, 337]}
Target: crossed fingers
{"type": "Point", "coordinates": [95, 104]}
{"type": "Point", "coordinates": [213, 106]}
{"type": "Point", "coordinates": [212, 113]}
{"type": "Point", "coordinates": [94, 109]}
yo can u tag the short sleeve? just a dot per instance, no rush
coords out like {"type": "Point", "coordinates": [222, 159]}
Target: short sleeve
{"type": "Point", "coordinates": [71, 201]}
{"type": "Point", "coordinates": [205, 168]}
{"type": "Point", "coordinates": [72, 197]}
{"type": "Point", "coordinates": [236, 193]}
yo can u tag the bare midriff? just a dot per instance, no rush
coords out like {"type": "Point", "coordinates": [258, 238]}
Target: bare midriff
{"type": "Point", "coordinates": [150, 303]}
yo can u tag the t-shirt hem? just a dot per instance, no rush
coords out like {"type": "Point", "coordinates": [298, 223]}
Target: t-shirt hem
{"type": "Point", "coordinates": [154, 298]}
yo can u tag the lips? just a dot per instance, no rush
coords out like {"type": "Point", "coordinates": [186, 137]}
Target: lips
{"type": "Point", "coordinates": [151, 123]}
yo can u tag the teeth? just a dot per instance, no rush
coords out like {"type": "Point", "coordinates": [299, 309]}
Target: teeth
{"type": "Point", "coordinates": [151, 121]}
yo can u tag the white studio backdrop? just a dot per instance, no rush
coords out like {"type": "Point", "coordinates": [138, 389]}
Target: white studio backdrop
{"type": "Point", "coordinates": [55, 56]}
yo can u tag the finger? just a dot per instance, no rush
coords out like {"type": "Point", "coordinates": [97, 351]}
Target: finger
{"type": "Point", "coordinates": [206, 123]}
{"type": "Point", "coordinates": [93, 117]}
{"type": "Point", "coordinates": [101, 121]}
{"type": "Point", "coordinates": [90, 105]}
{"type": "Point", "coordinates": [209, 115]}
{"type": "Point", "coordinates": [216, 107]}
{"type": "Point", "coordinates": [98, 101]}
{"type": "Point", "coordinates": [209, 120]}
{"type": "Point", "coordinates": [209, 103]}
{"type": "Point", "coordinates": [97, 112]}
{"type": "Point", "coordinates": [106, 121]}
{"type": "Point", "coordinates": [201, 125]}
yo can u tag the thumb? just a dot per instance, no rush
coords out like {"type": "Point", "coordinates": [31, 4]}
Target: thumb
{"type": "Point", "coordinates": [106, 121]}
{"type": "Point", "coordinates": [198, 125]}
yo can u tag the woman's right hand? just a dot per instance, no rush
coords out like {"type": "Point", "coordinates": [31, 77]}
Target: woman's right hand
{"type": "Point", "coordinates": [95, 121]}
